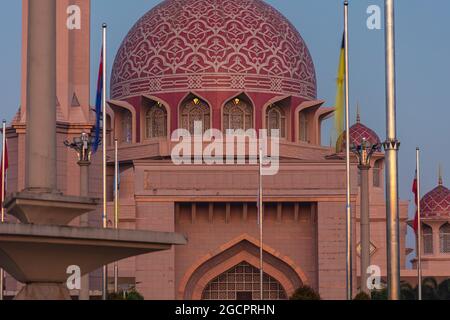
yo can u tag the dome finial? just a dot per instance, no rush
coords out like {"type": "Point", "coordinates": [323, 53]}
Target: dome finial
{"type": "Point", "coordinates": [358, 113]}
{"type": "Point", "coordinates": [441, 182]}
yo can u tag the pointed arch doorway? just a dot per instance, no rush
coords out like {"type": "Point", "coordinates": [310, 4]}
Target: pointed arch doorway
{"type": "Point", "coordinates": [232, 273]}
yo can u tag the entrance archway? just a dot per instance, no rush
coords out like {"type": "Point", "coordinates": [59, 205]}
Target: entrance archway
{"type": "Point", "coordinates": [280, 271]}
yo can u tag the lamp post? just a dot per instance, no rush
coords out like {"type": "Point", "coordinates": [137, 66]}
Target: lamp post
{"type": "Point", "coordinates": [364, 152]}
{"type": "Point", "coordinates": [83, 147]}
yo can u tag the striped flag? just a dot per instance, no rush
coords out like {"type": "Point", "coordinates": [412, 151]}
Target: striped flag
{"type": "Point", "coordinates": [98, 106]}
{"type": "Point", "coordinates": [416, 200]}
{"type": "Point", "coordinates": [339, 113]}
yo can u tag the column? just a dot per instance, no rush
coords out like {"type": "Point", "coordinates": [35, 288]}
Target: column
{"type": "Point", "coordinates": [40, 175]}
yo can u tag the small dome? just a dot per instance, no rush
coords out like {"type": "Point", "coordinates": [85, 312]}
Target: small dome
{"type": "Point", "coordinates": [436, 203]}
{"type": "Point", "coordinates": [358, 132]}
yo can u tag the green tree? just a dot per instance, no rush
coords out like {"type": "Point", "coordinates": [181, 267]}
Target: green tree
{"type": "Point", "coordinates": [444, 290]}
{"type": "Point", "coordinates": [126, 295]}
{"type": "Point", "coordinates": [362, 296]}
{"type": "Point", "coordinates": [305, 293]}
{"type": "Point", "coordinates": [430, 289]}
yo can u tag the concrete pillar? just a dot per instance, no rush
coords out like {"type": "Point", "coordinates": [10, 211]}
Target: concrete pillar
{"type": "Point", "coordinates": [40, 175]}
{"type": "Point", "coordinates": [84, 221]}
{"type": "Point", "coordinates": [365, 227]}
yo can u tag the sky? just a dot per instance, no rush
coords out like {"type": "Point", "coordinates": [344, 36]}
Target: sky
{"type": "Point", "coordinates": [423, 67]}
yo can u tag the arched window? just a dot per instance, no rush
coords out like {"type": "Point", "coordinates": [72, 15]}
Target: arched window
{"type": "Point", "coordinates": [276, 120]}
{"type": "Point", "coordinates": [237, 114]}
{"type": "Point", "coordinates": [192, 111]}
{"type": "Point", "coordinates": [444, 236]}
{"type": "Point", "coordinates": [427, 234]}
{"type": "Point", "coordinates": [304, 127]}
{"type": "Point", "coordinates": [156, 122]}
{"type": "Point", "coordinates": [243, 283]}
{"type": "Point", "coordinates": [377, 173]}
{"type": "Point", "coordinates": [127, 127]}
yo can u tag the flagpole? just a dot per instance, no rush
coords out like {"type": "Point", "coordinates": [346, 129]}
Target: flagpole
{"type": "Point", "coordinates": [2, 272]}
{"type": "Point", "coordinates": [391, 146]}
{"type": "Point", "coordinates": [261, 219]}
{"type": "Point", "coordinates": [349, 262]}
{"type": "Point", "coordinates": [419, 227]}
{"type": "Point", "coordinates": [104, 119]}
{"type": "Point", "coordinates": [116, 207]}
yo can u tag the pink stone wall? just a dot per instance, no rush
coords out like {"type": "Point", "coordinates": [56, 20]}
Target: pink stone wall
{"type": "Point", "coordinates": [155, 272]}
{"type": "Point", "coordinates": [332, 250]}
{"type": "Point", "coordinates": [293, 239]}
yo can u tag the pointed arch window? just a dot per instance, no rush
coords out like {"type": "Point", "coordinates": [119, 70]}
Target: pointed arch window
{"type": "Point", "coordinates": [127, 127]}
{"type": "Point", "coordinates": [193, 111]}
{"type": "Point", "coordinates": [427, 234]}
{"type": "Point", "coordinates": [377, 168]}
{"type": "Point", "coordinates": [237, 114]}
{"type": "Point", "coordinates": [276, 120]}
{"type": "Point", "coordinates": [304, 127]}
{"type": "Point", "coordinates": [156, 122]}
{"type": "Point", "coordinates": [444, 236]}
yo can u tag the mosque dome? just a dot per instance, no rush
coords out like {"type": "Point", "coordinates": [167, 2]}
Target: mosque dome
{"type": "Point", "coordinates": [436, 203]}
{"type": "Point", "coordinates": [358, 132]}
{"type": "Point", "coordinates": [215, 45]}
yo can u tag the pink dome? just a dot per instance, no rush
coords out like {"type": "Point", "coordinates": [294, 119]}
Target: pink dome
{"type": "Point", "coordinates": [236, 45]}
{"type": "Point", "coordinates": [436, 203]}
{"type": "Point", "coordinates": [358, 132]}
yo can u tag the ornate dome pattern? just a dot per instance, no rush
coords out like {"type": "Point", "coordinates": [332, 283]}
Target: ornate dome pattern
{"type": "Point", "coordinates": [184, 45]}
{"type": "Point", "coordinates": [436, 203]}
{"type": "Point", "coordinates": [358, 132]}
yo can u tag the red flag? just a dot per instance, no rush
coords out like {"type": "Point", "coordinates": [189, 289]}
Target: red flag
{"type": "Point", "coordinates": [2, 192]}
{"type": "Point", "coordinates": [416, 217]}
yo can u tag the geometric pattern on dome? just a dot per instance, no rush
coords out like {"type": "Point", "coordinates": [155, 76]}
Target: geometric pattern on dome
{"type": "Point", "coordinates": [436, 203]}
{"type": "Point", "coordinates": [182, 45]}
{"type": "Point", "coordinates": [358, 132]}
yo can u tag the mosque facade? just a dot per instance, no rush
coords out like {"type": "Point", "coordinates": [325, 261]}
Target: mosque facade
{"type": "Point", "coordinates": [228, 65]}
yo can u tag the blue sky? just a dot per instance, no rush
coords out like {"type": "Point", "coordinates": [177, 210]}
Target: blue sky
{"type": "Point", "coordinates": [423, 66]}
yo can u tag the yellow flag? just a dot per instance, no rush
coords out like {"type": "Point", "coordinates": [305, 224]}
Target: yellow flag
{"type": "Point", "coordinates": [339, 113]}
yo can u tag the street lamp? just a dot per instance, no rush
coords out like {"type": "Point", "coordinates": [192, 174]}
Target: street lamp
{"type": "Point", "coordinates": [364, 152]}
{"type": "Point", "coordinates": [83, 147]}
